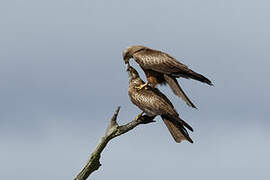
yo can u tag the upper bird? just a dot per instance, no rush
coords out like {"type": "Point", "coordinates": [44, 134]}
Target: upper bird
{"type": "Point", "coordinates": [153, 103]}
{"type": "Point", "coordinates": [161, 68]}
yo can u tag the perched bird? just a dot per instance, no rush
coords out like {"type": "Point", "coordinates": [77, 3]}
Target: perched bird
{"type": "Point", "coordinates": [153, 103]}
{"type": "Point", "coordinates": [161, 68]}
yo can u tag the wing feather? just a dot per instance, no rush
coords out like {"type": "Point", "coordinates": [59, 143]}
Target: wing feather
{"type": "Point", "coordinates": [158, 61]}
{"type": "Point", "coordinates": [153, 100]}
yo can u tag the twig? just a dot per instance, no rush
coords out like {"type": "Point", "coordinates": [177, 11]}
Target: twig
{"type": "Point", "coordinates": [112, 131]}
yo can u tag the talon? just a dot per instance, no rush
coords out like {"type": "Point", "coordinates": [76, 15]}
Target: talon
{"type": "Point", "coordinates": [142, 86]}
{"type": "Point", "coordinates": [139, 116]}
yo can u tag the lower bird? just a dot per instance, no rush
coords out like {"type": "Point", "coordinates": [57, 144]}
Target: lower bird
{"type": "Point", "coordinates": [153, 103]}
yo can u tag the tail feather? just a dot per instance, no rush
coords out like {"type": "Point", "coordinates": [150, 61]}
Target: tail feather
{"type": "Point", "coordinates": [193, 75]}
{"type": "Point", "coordinates": [177, 129]}
{"type": "Point", "coordinates": [177, 90]}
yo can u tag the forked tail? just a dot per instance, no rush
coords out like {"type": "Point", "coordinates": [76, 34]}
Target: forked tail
{"type": "Point", "coordinates": [177, 128]}
{"type": "Point", "coordinates": [177, 90]}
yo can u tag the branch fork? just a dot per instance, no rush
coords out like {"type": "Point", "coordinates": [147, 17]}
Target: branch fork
{"type": "Point", "coordinates": [112, 131]}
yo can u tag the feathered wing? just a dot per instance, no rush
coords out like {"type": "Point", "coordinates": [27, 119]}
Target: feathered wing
{"type": "Point", "coordinates": [177, 90]}
{"type": "Point", "coordinates": [152, 100]}
{"type": "Point", "coordinates": [177, 129]}
{"type": "Point", "coordinates": [158, 61]}
{"type": "Point", "coordinates": [193, 75]}
{"type": "Point", "coordinates": [164, 63]}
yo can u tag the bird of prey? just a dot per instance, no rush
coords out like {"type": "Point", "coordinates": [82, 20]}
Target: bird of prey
{"type": "Point", "coordinates": [153, 103]}
{"type": "Point", "coordinates": [161, 68]}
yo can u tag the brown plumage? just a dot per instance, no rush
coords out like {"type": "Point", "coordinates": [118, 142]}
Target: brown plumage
{"type": "Point", "coordinates": [153, 103]}
{"type": "Point", "coordinates": [161, 68]}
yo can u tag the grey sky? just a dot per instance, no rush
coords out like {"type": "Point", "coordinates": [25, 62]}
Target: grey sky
{"type": "Point", "coordinates": [58, 58]}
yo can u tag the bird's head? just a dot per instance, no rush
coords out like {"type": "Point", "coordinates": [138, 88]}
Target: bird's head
{"type": "Point", "coordinates": [127, 55]}
{"type": "Point", "coordinates": [133, 74]}
{"type": "Point", "coordinates": [129, 51]}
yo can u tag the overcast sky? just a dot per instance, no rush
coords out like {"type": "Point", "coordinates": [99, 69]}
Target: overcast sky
{"type": "Point", "coordinates": [62, 76]}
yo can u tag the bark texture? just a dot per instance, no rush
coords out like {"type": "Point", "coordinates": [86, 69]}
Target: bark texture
{"type": "Point", "coordinates": [112, 131]}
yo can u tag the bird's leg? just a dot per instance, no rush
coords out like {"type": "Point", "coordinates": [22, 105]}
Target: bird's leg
{"type": "Point", "coordinates": [139, 116]}
{"type": "Point", "coordinates": [141, 86]}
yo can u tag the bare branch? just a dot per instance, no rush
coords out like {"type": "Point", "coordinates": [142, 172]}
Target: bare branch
{"type": "Point", "coordinates": [112, 131]}
{"type": "Point", "coordinates": [114, 118]}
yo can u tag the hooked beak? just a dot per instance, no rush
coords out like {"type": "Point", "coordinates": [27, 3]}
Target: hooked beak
{"type": "Point", "coordinates": [126, 61]}
{"type": "Point", "coordinates": [128, 66]}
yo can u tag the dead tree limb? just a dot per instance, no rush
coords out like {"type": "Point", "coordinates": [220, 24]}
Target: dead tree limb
{"type": "Point", "coordinates": [112, 131]}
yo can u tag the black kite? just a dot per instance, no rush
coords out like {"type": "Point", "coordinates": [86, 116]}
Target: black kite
{"type": "Point", "coordinates": [153, 103]}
